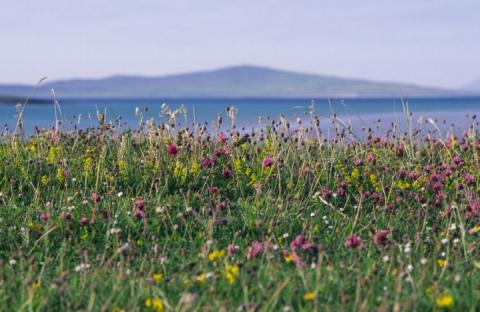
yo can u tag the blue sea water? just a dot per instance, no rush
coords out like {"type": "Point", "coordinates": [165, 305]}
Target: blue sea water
{"type": "Point", "coordinates": [356, 112]}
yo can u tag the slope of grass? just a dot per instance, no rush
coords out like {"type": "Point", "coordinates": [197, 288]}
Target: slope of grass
{"type": "Point", "coordinates": [162, 219]}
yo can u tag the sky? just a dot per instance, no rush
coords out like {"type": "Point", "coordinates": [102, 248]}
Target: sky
{"type": "Point", "coordinates": [427, 42]}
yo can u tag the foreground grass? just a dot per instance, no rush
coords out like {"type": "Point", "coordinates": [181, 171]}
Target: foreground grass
{"type": "Point", "coordinates": [282, 220]}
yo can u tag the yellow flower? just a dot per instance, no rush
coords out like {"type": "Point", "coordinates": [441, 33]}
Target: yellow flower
{"type": "Point", "coordinates": [355, 173]}
{"type": "Point", "coordinates": [441, 262]}
{"type": "Point", "coordinates": [288, 258]}
{"type": "Point", "coordinates": [231, 273]}
{"type": "Point", "coordinates": [157, 277]}
{"type": "Point", "coordinates": [87, 165]}
{"type": "Point", "coordinates": [54, 154]}
{"type": "Point", "coordinates": [155, 304]}
{"type": "Point", "coordinates": [35, 285]}
{"type": "Point", "coordinates": [201, 278]}
{"type": "Point", "coordinates": [194, 167]}
{"type": "Point", "coordinates": [84, 237]}
{"type": "Point", "coordinates": [60, 176]}
{"type": "Point", "coordinates": [216, 255]}
{"type": "Point", "coordinates": [44, 180]}
{"type": "Point", "coordinates": [444, 301]}
{"type": "Point", "coordinates": [430, 290]}
{"type": "Point", "coordinates": [309, 296]}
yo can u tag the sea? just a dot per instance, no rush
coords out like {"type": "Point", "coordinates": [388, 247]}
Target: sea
{"type": "Point", "coordinates": [440, 115]}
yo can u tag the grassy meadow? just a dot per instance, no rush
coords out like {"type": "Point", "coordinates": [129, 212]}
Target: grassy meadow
{"type": "Point", "coordinates": [281, 218]}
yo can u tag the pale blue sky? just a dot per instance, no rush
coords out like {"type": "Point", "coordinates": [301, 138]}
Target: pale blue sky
{"type": "Point", "coordinates": [430, 42]}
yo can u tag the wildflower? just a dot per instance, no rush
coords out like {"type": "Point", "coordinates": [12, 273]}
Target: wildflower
{"type": "Point", "coordinates": [309, 296]}
{"type": "Point", "coordinates": [353, 242]}
{"type": "Point", "coordinates": [288, 258]}
{"type": "Point", "coordinates": [208, 162]}
{"type": "Point", "coordinates": [44, 179]}
{"type": "Point", "coordinates": [96, 198]}
{"type": "Point", "coordinates": [138, 214]}
{"type": "Point", "coordinates": [216, 255]}
{"type": "Point", "coordinates": [221, 206]}
{"type": "Point", "coordinates": [231, 272]}
{"type": "Point", "coordinates": [155, 304]}
{"type": "Point", "coordinates": [457, 160]}
{"type": "Point", "coordinates": [157, 277]}
{"type": "Point", "coordinates": [254, 250]}
{"type": "Point", "coordinates": [172, 149]}
{"type": "Point", "coordinates": [445, 301]}
{"type": "Point", "coordinates": [268, 162]}
{"type": "Point", "coordinates": [409, 268]}
{"type": "Point", "coordinates": [201, 278]}
{"type": "Point", "coordinates": [35, 285]}
{"type": "Point", "coordinates": [441, 262]}
{"type": "Point", "coordinates": [45, 216]}
{"type": "Point", "coordinates": [227, 173]}
{"type": "Point", "coordinates": [301, 243]}
{"type": "Point", "coordinates": [231, 249]}
{"type": "Point", "coordinates": [380, 237]}
{"type": "Point", "coordinates": [139, 204]}
{"type": "Point", "coordinates": [213, 190]}
{"type": "Point", "coordinates": [82, 267]}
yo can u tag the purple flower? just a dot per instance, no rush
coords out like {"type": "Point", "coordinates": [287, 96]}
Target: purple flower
{"type": "Point", "coordinates": [254, 250]}
{"type": "Point", "coordinates": [208, 162]}
{"type": "Point", "coordinates": [138, 214]}
{"type": "Point", "coordinates": [353, 242]}
{"type": "Point", "coordinates": [381, 237]}
{"type": "Point", "coordinates": [45, 216]}
{"type": "Point", "coordinates": [227, 173]}
{"type": "Point", "coordinates": [457, 160]}
{"type": "Point", "coordinates": [301, 243]}
{"type": "Point", "coordinates": [221, 206]}
{"type": "Point", "coordinates": [268, 162]}
{"type": "Point", "coordinates": [172, 149]}
{"type": "Point", "coordinates": [96, 198]}
{"type": "Point", "coordinates": [140, 204]}
{"type": "Point", "coordinates": [213, 190]}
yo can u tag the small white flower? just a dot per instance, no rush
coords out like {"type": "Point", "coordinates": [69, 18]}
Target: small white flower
{"type": "Point", "coordinates": [410, 268]}
{"type": "Point", "coordinates": [443, 254]}
{"type": "Point", "coordinates": [120, 194]}
{"type": "Point", "coordinates": [285, 235]}
{"type": "Point", "coordinates": [313, 266]}
{"type": "Point", "coordinates": [453, 227]}
{"type": "Point", "coordinates": [458, 278]}
{"type": "Point", "coordinates": [444, 241]}
{"type": "Point", "coordinates": [312, 214]}
{"type": "Point", "coordinates": [456, 241]}
{"type": "Point", "coordinates": [209, 274]}
{"type": "Point", "coordinates": [386, 258]}
{"type": "Point", "coordinates": [81, 267]}
{"type": "Point", "coordinates": [423, 261]}
{"type": "Point", "coordinates": [12, 261]}
{"type": "Point", "coordinates": [115, 231]}
{"type": "Point", "coordinates": [326, 222]}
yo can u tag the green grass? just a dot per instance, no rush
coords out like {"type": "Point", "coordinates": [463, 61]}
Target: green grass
{"type": "Point", "coordinates": [183, 251]}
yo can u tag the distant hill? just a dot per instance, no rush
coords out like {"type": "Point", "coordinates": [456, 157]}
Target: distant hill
{"type": "Point", "coordinates": [473, 86]}
{"type": "Point", "coordinates": [237, 81]}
